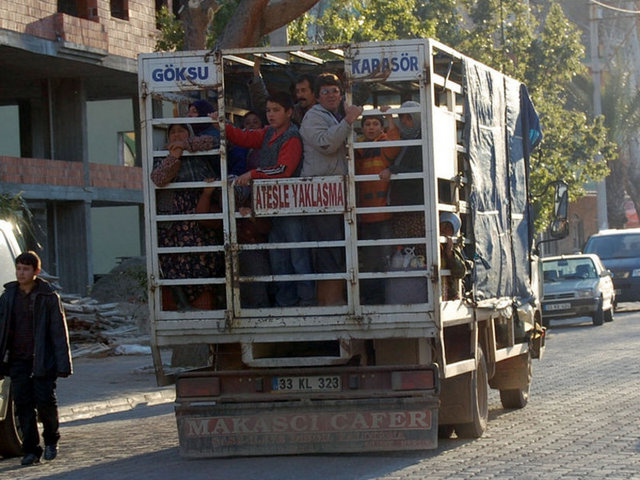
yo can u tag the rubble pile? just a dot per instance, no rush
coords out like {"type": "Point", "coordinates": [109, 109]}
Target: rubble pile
{"type": "Point", "coordinates": [99, 329]}
{"type": "Point", "coordinates": [114, 320]}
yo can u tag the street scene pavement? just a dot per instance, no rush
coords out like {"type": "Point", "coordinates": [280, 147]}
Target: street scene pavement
{"type": "Point", "coordinates": [111, 384]}
{"type": "Point", "coordinates": [582, 422]}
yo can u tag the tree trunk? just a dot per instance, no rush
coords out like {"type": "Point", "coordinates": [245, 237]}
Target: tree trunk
{"type": "Point", "coordinates": [615, 182]}
{"type": "Point", "coordinates": [255, 18]}
{"type": "Point", "coordinates": [633, 177]}
{"type": "Point", "coordinates": [196, 16]}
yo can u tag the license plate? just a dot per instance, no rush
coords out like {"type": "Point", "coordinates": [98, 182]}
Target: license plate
{"type": "Point", "coordinates": [558, 306]}
{"type": "Point", "coordinates": [327, 383]}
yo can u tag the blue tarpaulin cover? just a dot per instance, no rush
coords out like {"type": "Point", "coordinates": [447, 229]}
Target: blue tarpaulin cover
{"type": "Point", "coordinates": [498, 113]}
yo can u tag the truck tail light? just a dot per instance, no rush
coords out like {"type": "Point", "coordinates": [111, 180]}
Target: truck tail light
{"type": "Point", "coordinates": [198, 387]}
{"type": "Point", "coordinates": [413, 380]}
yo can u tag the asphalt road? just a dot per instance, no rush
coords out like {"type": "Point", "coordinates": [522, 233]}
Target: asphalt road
{"type": "Point", "coordinates": [582, 422]}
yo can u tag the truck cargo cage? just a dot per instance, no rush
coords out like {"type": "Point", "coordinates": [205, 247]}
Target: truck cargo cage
{"type": "Point", "coordinates": [395, 297]}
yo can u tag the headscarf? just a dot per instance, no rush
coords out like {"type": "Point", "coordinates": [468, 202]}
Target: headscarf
{"type": "Point", "coordinates": [183, 125]}
{"type": "Point", "coordinates": [413, 132]}
{"type": "Point", "coordinates": [453, 219]}
{"type": "Point", "coordinates": [204, 108]}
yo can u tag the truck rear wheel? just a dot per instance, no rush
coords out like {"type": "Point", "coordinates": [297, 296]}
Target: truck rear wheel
{"type": "Point", "coordinates": [10, 434]}
{"type": "Point", "coordinates": [518, 397]}
{"type": "Point", "coordinates": [479, 401]}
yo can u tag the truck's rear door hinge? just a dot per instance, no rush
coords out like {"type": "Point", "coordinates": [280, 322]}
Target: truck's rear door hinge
{"type": "Point", "coordinates": [152, 283]}
{"type": "Point", "coordinates": [352, 276]}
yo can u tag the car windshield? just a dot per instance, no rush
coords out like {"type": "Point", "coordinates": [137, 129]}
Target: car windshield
{"type": "Point", "coordinates": [568, 269]}
{"type": "Point", "coordinates": [614, 246]}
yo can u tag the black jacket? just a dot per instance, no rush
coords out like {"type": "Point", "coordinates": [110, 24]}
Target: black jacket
{"type": "Point", "coordinates": [52, 356]}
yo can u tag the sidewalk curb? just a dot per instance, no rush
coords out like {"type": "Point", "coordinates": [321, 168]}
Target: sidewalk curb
{"type": "Point", "coordinates": [84, 411]}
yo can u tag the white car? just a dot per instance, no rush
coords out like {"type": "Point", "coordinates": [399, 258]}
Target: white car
{"type": "Point", "coordinates": [10, 433]}
{"type": "Point", "coordinates": [575, 286]}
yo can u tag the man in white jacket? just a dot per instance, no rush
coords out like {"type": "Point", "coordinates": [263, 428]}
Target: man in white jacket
{"type": "Point", "coordinates": [324, 131]}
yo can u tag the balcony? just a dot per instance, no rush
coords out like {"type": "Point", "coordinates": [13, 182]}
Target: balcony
{"type": "Point", "coordinates": [45, 179]}
{"type": "Point", "coordinates": [77, 37]}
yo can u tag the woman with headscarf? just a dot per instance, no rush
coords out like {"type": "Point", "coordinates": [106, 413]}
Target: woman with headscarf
{"type": "Point", "coordinates": [451, 255]}
{"type": "Point", "coordinates": [185, 233]}
{"type": "Point", "coordinates": [202, 108]}
{"type": "Point", "coordinates": [410, 191]}
{"type": "Point", "coordinates": [407, 192]}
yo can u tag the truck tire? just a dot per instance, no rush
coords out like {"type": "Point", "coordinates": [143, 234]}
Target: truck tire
{"type": "Point", "coordinates": [598, 315]}
{"type": "Point", "coordinates": [518, 397]}
{"type": "Point", "coordinates": [10, 434]}
{"type": "Point", "coordinates": [479, 400]}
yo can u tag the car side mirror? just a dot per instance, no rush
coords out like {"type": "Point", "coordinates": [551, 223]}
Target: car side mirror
{"type": "Point", "coordinates": [559, 228]}
{"type": "Point", "coordinates": [606, 273]}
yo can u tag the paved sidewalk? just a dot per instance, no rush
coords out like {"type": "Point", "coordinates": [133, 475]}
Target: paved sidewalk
{"type": "Point", "coordinates": [110, 384]}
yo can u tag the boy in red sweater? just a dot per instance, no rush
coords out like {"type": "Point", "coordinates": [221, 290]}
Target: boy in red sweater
{"type": "Point", "coordinates": [371, 226]}
{"type": "Point", "coordinates": [280, 157]}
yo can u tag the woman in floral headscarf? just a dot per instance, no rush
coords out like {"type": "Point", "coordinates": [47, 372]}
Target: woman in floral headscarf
{"type": "Point", "coordinates": [185, 233]}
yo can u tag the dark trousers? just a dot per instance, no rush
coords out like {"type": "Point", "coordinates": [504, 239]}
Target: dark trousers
{"type": "Point", "coordinates": [31, 394]}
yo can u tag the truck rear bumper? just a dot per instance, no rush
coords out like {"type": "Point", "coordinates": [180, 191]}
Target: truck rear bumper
{"type": "Point", "coordinates": [303, 427]}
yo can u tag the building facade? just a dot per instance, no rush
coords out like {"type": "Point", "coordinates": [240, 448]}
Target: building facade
{"type": "Point", "coordinates": [68, 99]}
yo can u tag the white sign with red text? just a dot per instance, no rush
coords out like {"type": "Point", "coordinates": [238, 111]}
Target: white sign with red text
{"type": "Point", "coordinates": [295, 196]}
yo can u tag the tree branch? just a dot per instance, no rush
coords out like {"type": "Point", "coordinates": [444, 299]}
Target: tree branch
{"type": "Point", "coordinates": [253, 19]}
{"type": "Point", "coordinates": [244, 29]}
{"type": "Point", "coordinates": [281, 12]}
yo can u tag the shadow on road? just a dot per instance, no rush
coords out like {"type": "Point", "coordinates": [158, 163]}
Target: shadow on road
{"type": "Point", "coordinates": [167, 463]}
{"type": "Point", "coordinates": [139, 411]}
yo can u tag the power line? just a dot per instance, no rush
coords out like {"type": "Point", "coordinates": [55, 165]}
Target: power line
{"type": "Point", "coordinates": [617, 9]}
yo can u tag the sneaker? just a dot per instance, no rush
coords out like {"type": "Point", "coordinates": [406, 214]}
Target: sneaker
{"type": "Point", "coordinates": [50, 452]}
{"type": "Point", "coordinates": [30, 459]}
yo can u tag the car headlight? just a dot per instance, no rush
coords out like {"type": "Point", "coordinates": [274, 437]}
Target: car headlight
{"type": "Point", "coordinates": [635, 273]}
{"type": "Point", "coordinates": [585, 292]}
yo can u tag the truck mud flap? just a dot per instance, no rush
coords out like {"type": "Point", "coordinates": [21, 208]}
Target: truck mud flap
{"type": "Point", "coordinates": [320, 426]}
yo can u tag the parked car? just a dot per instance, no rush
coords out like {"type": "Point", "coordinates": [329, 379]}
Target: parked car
{"type": "Point", "coordinates": [619, 251]}
{"type": "Point", "coordinates": [10, 434]}
{"type": "Point", "coordinates": [575, 286]}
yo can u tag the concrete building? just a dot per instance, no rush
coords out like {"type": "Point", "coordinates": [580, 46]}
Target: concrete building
{"type": "Point", "coordinates": [68, 115]}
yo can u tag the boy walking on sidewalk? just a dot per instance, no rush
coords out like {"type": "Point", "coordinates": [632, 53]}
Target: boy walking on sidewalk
{"type": "Point", "coordinates": [34, 348]}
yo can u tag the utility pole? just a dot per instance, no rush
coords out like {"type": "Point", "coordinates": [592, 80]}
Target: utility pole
{"type": "Point", "coordinates": [596, 73]}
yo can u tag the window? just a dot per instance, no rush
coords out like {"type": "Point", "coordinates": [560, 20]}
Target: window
{"type": "Point", "coordinates": [120, 9]}
{"type": "Point", "coordinates": [10, 128]}
{"type": "Point", "coordinates": [79, 8]}
{"type": "Point", "coordinates": [166, 3]}
{"type": "Point", "coordinates": [70, 7]}
{"type": "Point", "coordinates": [172, 6]}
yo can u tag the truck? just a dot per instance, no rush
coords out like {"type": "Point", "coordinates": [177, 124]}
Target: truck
{"type": "Point", "coordinates": [394, 373]}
